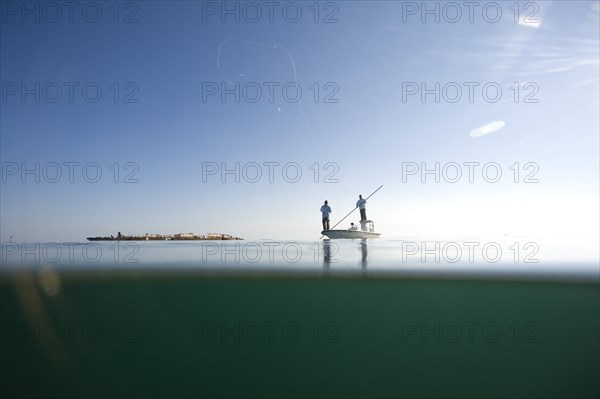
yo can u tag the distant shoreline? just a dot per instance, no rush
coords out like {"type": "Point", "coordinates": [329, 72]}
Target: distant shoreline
{"type": "Point", "coordinates": [168, 237]}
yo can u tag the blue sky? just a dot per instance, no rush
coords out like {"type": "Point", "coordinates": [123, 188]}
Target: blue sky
{"type": "Point", "coordinates": [176, 50]}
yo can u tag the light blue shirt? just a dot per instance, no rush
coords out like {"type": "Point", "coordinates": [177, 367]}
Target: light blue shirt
{"type": "Point", "coordinates": [361, 203]}
{"type": "Point", "coordinates": [326, 210]}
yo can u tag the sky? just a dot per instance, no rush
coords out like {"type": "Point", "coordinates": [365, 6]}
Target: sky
{"type": "Point", "coordinates": [183, 116]}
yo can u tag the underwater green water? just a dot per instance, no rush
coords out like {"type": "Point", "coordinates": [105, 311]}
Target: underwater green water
{"type": "Point", "coordinates": [184, 334]}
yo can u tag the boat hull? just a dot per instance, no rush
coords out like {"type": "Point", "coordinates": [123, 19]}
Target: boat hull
{"type": "Point", "coordinates": [349, 234]}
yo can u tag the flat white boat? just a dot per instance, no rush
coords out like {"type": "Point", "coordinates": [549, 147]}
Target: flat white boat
{"type": "Point", "coordinates": [367, 230]}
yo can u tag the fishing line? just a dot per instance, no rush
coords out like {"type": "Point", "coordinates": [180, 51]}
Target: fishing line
{"type": "Point", "coordinates": [271, 47]}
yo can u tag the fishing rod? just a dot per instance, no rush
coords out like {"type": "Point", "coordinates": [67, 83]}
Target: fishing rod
{"type": "Point", "coordinates": [349, 213]}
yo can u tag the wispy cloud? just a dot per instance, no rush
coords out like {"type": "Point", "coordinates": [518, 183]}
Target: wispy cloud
{"type": "Point", "coordinates": [487, 129]}
{"type": "Point", "coordinates": [530, 23]}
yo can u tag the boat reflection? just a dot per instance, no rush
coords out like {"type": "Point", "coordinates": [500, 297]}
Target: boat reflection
{"type": "Point", "coordinates": [326, 256]}
{"type": "Point", "coordinates": [363, 259]}
{"type": "Point", "coordinates": [331, 248]}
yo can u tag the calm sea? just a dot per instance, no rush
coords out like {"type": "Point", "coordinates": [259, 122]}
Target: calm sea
{"type": "Point", "coordinates": [493, 317]}
{"type": "Point", "coordinates": [465, 257]}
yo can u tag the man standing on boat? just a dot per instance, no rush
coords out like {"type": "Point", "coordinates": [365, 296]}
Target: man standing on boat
{"type": "Point", "coordinates": [325, 210]}
{"type": "Point", "coordinates": [361, 204]}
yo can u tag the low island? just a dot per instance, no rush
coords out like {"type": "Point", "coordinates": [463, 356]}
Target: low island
{"type": "Point", "coordinates": [166, 237]}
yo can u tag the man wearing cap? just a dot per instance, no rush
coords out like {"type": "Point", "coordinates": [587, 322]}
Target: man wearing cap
{"type": "Point", "coordinates": [361, 204]}
{"type": "Point", "coordinates": [325, 211]}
